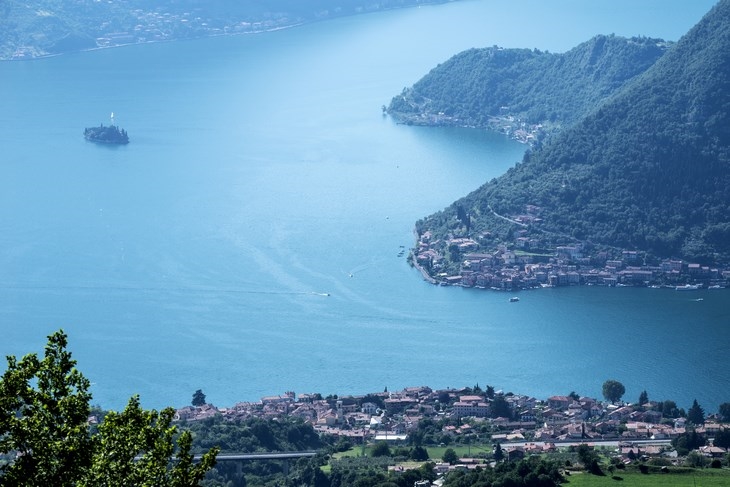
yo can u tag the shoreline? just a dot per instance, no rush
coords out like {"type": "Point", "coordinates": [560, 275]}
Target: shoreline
{"type": "Point", "coordinates": [32, 57]}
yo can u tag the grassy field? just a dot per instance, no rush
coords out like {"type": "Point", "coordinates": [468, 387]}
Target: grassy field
{"type": "Point", "coordinates": [434, 453]}
{"type": "Point", "coordinates": [437, 452]}
{"type": "Point", "coordinates": [682, 478]}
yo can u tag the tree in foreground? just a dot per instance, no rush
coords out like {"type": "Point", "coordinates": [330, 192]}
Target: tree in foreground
{"type": "Point", "coordinates": [44, 410]}
{"type": "Point", "coordinates": [135, 447]}
{"type": "Point", "coordinates": [613, 390]}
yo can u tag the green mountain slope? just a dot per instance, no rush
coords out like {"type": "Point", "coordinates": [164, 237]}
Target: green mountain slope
{"type": "Point", "coordinates": [648, 170]}
{"type": "Point", "coordinates": [493, 86]}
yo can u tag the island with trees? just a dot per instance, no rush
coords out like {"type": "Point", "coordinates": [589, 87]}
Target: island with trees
{"type": "Point", "coordinates": [631, 186]}
{"type": "Point", "coordinates": [106, 134]}
{"type": "Point", "coordinates": [50, 435]}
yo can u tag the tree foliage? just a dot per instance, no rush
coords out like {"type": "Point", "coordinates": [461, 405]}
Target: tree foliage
{"type": "Point", "coordinates": [450, 456]}
{"type": "Point", "coordinates": [695, 414]}
{"type": "Point", "coordinates": [724, 411]}
{"type": "Point", "coordinates": [613, 390]}
{"type": "Point", "coordinates": [253, 435]}
{"type": "Point", "coordinates": [688, 441]}
{"type": "Point", "coordinates": [380, 449]}
{"type": "Point", "coordinates": [500, 407]}
{"type": "Point", "coordinates": [722, 438]}
{"type": "Point", "coordinates": [44, 410]}
{"type": "Point", "coordinates": [198, 398]}
{"type": "Point", "coordinates": [643, 398]}
{"type": "Point", "coordinates": [525, 473]}
{"type": "Point", "coordinates": [477, 85]}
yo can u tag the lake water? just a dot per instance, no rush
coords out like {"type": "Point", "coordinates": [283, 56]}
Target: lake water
{"type": "Point", "coordinates": [246, 241]}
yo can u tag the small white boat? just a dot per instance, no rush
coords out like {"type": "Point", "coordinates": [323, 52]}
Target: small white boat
{"type": "Point", "coordinates": [689, 287]}
{"type": "Point", "coordinates": [514, 299]}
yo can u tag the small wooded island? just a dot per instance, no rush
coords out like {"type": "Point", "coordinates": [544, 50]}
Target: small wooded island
{"type": "Point", "coordinates": [107, 134]}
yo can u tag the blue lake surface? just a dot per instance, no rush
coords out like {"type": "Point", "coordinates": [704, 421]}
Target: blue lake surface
{"type": "Point", "coordinates": [246, 241]}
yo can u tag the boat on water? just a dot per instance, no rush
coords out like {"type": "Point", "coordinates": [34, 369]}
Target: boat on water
{"type": "Point", "coordinates": [107, 134]}
{"type": "Point", "coordinates": [514, 299]}
{"type": "Point", "coordinates": [689, 287]}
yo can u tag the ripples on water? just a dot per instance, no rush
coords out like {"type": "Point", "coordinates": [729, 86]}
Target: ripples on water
{"type": "Point", "coordinates": [246, 241]}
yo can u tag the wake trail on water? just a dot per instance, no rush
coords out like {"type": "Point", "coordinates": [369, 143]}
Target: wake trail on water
{"type": "Point", "coordinates": [152, 289]}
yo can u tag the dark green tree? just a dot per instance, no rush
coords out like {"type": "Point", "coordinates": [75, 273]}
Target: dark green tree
{"type": "Point", "coordinates": [450, 456]}
{"type": "Point", "coordinates": [669, 409]}
{"type": "Point", "coordinates": [722, 438]}
{"type": "Point", "coordinates": [613, 390]}
{"type": "Point", "coordinates": [419, 454]}
{"type": "Point", "coordinates": [500, 408]}
{"type": "Point", "coordinates": [643, 398]}
{"type": "Point", "coordinates": [695, 414]}
{"type": "Point", "coordinates": [574, 395]}
{"type": "Point", "coordinates": [498, 453]}
{"type": "Point", "coordinates": [44, 408]}
{"type": "Point", "coordinates": [724, 411]}
{"type": "Point", "coordinates": [688, 441]}
{"type": "Point", "coordinates": [586, 455]}
{"type": "Point", "coordinates": [380, 449]}
{"type": "Point", "coordinates": [198, 398]}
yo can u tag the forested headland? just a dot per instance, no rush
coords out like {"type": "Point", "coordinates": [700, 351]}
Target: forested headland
{"type": "Point", "coordinates": [641, 163]}
{"type": "Point", "coordinates": [513, 89]}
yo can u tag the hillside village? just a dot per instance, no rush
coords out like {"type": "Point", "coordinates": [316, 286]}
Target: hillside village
{"type": "Point", "coordinates": [471, 417]}
{"type": "Point", "coordinates": [525, 264]}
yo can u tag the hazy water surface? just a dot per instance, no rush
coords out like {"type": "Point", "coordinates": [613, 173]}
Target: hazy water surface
{"type": "Point", "coordinates": [246, 242]}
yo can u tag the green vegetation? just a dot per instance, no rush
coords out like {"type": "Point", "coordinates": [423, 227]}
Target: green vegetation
{"type": "Point", "coordinates": [675, 477]}
{"type": "Point", "coordinates": [613, 390]}
{"type": "Point", "coordinates": [528, 472]}
{"type": "Point", "coordinates": [44, 412]}
{"type": "Point", "coordinates": [647, 170]}
{"type": "Point", "coordinates": [495, 87]}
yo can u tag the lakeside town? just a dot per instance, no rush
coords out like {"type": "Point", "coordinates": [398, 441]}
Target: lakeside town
{"type": "Point", "coordinates": [521, 266]}
{"type": "Point", "coordinates": [520, 424]}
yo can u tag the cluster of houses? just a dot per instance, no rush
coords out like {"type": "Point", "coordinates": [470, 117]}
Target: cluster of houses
{"type": "Point", "coordinates": [154, 26]}
{"type": "Point", "coordinates": [534, 425]}
{"type": "Point", "coordinates": [525, 267]}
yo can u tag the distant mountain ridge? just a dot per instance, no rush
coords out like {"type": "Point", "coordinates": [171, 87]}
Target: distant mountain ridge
{"type": "Point", "coordinates": [492, 86]}
{"type": "Point", "coordinates": [648, 170]}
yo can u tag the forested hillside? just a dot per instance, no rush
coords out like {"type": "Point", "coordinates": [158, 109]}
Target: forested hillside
{"type": "Point", "coordinates": [45, 27]}
{"type": "Point", "coordinates": [492, 87]}
{"type": "Point", "coordinates": [648, 170]}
